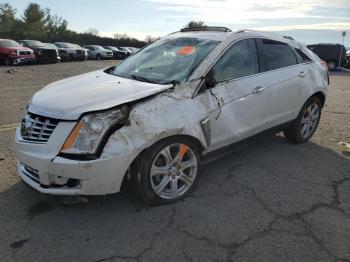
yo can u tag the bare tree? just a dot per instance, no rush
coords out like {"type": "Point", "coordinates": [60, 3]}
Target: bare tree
{"type": "Point", "coordinates": [150, 39]}
{"type": "Point", "coordinates": [192, 24]}
{"type": "Point", "coordinates": [92, 31]}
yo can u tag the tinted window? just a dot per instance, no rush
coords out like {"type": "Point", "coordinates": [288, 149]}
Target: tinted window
{"type": "Point", "coordinates": [276, 55]}
{"type": "Point", "coordinates": [303, 56]}
{"type": "Point", "coordinates": [239, 60]}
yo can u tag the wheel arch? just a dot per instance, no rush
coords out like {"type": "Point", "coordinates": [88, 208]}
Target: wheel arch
{"type": "Point", "coordinates": [132, 171]}
{"type": "Point", "coordinates": [320, 95]}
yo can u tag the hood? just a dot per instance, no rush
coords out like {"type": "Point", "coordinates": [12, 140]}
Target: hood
{"type": "Point", "coordinates": [68, 99]}
{"type": "Point", "coordinates": [21, 48]}
{"type": "Point", "coordinates": [42, 48]}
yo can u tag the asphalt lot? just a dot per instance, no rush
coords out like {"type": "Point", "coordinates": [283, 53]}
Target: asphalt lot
{"type": "Point", "coordinates": [271, 201]}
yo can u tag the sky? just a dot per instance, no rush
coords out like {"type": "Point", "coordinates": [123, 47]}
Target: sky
{"type": "Point", "coordinates": [308, 21]}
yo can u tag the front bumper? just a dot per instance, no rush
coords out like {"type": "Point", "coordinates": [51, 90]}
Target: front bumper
{"type": "Point", "coordinates": [43, 58]}
{"type": "Point", "coordinates": [41, 168]}
{"type": "Point", "coordinates": [22, 60]}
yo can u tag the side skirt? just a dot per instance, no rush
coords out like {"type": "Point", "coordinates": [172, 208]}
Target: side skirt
{"type": "Point", "coordinates": [235, 147]}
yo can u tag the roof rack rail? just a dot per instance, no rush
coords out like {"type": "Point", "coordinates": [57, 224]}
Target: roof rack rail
{"type": "Point", "coordinates": [206, 28]}
{"type": "Point", "coordinates": [288, 37]}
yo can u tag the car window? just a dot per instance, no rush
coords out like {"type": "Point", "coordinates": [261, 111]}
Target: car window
{"type": "Point", "coordinates": [276, 55]}
{"type": "Point", "coordinates": [304, 58]}
{"type": "Point", "coordinates": [239, 60]}
{"type": "Point", "coordinates": [166, 61]}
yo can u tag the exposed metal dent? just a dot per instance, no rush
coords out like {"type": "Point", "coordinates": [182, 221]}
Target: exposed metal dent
{"type": "Point", "coordinates": [167, 114]}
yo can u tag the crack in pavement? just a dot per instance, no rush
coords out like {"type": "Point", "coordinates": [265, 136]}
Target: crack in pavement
{"type": "Point", "coordinates": [150, 247]}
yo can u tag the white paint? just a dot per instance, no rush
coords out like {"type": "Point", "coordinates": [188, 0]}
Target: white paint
{"type": "Point", "coordinates": [177, 111]}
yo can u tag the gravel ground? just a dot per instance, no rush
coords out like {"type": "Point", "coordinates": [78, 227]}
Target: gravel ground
{"type": "Point", "coordinates": [271, 201]}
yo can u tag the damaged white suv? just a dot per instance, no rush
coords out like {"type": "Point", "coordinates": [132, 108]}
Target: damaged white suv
{"type": "Point", "coordinates": [151, 120]}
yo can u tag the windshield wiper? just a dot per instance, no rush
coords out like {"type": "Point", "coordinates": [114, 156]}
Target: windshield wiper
{"type": "Point", "coordinates": [143, 79]}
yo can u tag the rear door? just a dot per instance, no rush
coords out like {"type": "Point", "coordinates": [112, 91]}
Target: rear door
{"type": "Point", "coordinates": [283, 81]}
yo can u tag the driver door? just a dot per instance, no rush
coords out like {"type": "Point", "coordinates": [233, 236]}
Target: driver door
{"type": "Point", "coordinates": [237, 101]}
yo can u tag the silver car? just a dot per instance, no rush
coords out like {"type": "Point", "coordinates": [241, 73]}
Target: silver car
{"type": "Point", "coordinates": [98, 52]}
{"type": "Point", "coordinates": [151, 120]}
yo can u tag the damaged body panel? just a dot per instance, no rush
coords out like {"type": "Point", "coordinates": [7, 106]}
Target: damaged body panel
{"type": "Point", "coordinates": [144, 107]}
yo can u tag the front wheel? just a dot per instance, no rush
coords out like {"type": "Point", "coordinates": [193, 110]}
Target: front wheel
{"type": "Point", "coordinates": [169, 171]}
{"type": "Point", "coordinates": [305, 125]}
{"type": "Point", "coordinates": [8, 61]}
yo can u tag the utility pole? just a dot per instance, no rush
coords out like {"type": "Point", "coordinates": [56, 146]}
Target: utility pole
{"type": "Point", "coordinates": [343, 34]}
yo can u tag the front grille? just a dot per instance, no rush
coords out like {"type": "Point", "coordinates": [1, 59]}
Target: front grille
{"type": "Point", "coordinates": [80, 51]}
{"type": "Point", "coordinates": [24, 53]}
{"type": "Point", "coordinates": [32, 173]}
{"type": "Point", "coordinates": [62, 52]}
{"type": "Point", "coordinates": [37, 128]}
{"type": "Point", "coordinates": [49, 52]}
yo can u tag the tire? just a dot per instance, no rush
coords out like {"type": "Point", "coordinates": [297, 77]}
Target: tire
{"type": "Point", "coordinates": [98, 57]}
{"type": "Point", "coordinates": [155, 172]}
{"type": "Point", "coordinates": [8, 61]}
{"type": "Point", "coordinates": [303, 128]}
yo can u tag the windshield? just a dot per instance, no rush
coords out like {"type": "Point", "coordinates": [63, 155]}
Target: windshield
{"type": "Point", "coordinates": [65, 45]}
{"type": "Point", "coordinates": [9, 43]}
{"type": "Point", "coordinates": [51, 46]}
{"type": "Point", "coordinates": [166, 61]}
{"type": "Point", "coordinates": [98, 47]}
{"type": "Point", "coordinates": [112, 48]}
{"type": "Point", "coordinates": [34, 43]}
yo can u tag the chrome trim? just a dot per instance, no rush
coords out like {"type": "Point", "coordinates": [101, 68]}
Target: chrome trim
{"type": "Point", "coordinates": [37, 128]}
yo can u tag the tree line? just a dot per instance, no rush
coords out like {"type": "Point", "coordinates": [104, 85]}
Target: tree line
{"type": "Point", "coordinates": [37, 23]}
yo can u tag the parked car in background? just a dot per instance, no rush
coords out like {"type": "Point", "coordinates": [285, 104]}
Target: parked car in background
{"type": "Point", "coordinates": [12, 53]}
{"type": "Point", "coordinates": [117, 54]}
{"type": "Point", "coordinates": [151, 120]}
{"type": "Point", "coordinates": [127, 50]}
{"type": "Point", "coordinates": [42, 52]}
{"type": "Point", "coordinates": [75, 52]}
{"type": "Point", "coordinates": [330, 53]}
{"type": "Point", "coordinates": [61, 52]}
{"type": "Point", "coordinates": [134, 49]}
{"type": "Point", "coordinates": [98, 52]}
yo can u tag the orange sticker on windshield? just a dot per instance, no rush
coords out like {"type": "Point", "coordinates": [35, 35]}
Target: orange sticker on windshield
{"type": "Point", "coordinates": [186, 50]}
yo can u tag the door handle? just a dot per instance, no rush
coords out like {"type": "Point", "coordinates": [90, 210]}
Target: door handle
{"type": "Point", "coordinates": [302, 74]}
{"type": "Point", "coordinates": [258, 89]}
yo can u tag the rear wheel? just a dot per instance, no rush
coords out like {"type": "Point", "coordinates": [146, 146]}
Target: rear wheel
{"type": "Point", "coordinates": [98, 57]}
{"type": "Point", "coordinates": [169, 171]}
{"type": "Point", "coordinates": [305, 125]}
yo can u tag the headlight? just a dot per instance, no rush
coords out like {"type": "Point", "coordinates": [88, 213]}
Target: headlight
{"type": "Point", "coordinates": [88, 133]}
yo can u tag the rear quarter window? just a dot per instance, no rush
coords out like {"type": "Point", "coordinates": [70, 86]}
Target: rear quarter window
{"type": "Point", "coordinates": [303, 57]}
{"type": "Point", "coordinates": [275, 55]}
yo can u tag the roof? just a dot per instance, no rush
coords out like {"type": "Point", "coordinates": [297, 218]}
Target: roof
{"type": "Point", "coordinates": [223, 33]}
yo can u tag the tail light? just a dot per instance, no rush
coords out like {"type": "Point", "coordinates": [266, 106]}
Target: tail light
{"type": "Point", "coordinates": [325, 66]}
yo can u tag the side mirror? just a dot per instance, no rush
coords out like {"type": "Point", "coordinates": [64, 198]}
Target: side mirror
{"type": "Point", "coordinates": [210, 81]}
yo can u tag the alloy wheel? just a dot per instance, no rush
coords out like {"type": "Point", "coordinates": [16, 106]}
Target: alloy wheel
{"type": "Point", "coordinates": [309, 120]}
{"type": "Point", "coordinates": [173, 171]}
